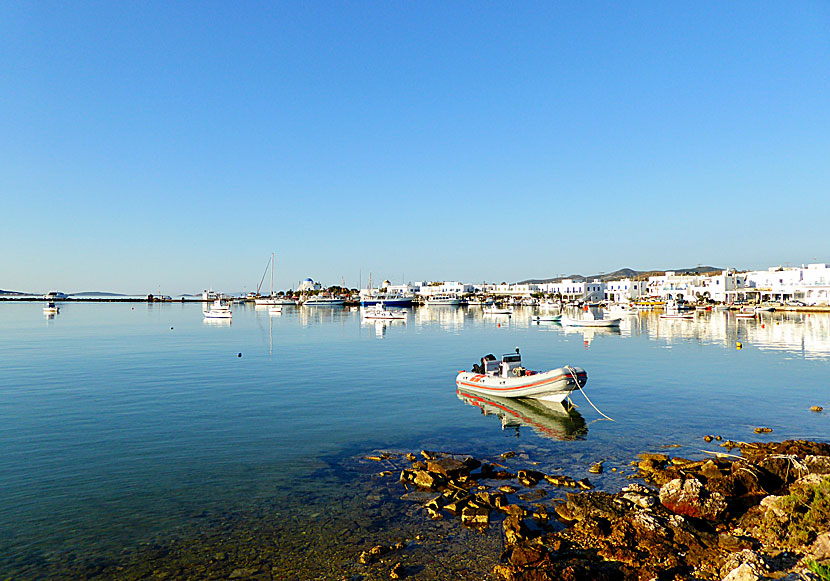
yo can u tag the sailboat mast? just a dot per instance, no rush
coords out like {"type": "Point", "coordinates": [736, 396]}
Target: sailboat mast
{"type": "Point", "coordinates": [272, 274]}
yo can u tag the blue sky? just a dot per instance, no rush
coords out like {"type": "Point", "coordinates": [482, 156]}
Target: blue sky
{"type": "Point", "coordinates": [153, 146]}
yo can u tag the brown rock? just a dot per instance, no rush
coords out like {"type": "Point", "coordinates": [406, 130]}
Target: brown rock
{"type": "Point", "coordinates": [655, 457]}
{"type": "Point", "coordinates": [526, 556]}
{"type": "Point", "coordinates": [429, 480]}
{"type": "Point", "coordinates": [529, 477]}
{"type": "Point", "coordinates": [816, 408]}
{"type": "Point", "coordinates": [397, 571]}
{"type": "Point", "coordinates": [475, 516]}
{"type": "Point", "coordinates": [688, 497]}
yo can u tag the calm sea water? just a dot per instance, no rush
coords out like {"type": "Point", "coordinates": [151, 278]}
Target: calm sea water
{"type": "Point", "coordinates": [121, 423]}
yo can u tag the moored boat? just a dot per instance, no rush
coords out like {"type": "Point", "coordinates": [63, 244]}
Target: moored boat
{"type": "Point", "coordinates": [672, 311]}
{"type": "Point", "coordinates": [318, 301]}
{"type": "Point", "coordinates": [218, 310]}
{"type": "Point", "coordinates": [546, 318]}
{"type": "Point", "coordinates": [380, 312]}
{"type": "Point", "coordinates": [496, 310]}
{"type": "Point", "coordinates": [508, 378]}
{"type": "Point", "coordinates": [746, 313]}
{"type": "Point", "coordinates": [51, 309]}
{"type": "Point", "coordinates": [443, 299]}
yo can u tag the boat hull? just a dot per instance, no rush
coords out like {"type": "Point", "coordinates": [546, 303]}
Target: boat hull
{"type": "Point", "coordinates": [401, 302]}
{"type": "Point", "coordinates": [554, 385]}
{"type": "Point", "coordinates": [615, 322]}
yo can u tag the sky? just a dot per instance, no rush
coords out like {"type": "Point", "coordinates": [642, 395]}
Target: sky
{"type": "Point", "coordinates": [173, 146]}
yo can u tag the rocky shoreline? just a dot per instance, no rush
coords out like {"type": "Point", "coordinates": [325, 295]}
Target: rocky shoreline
{"type": "Point", "coordinates": [754, 511]}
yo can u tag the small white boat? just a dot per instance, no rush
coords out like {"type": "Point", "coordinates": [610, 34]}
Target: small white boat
{"type": "Point", "coordinates": [218, 310]}
{"type": "Point", "coordinates": [764, 309]}
{"type": "Point", "coordinates": [546, 318]}
{"type": "Point", "coordinates": [621, 311]}
{"type": "Point", "coordinates": [671, 311]}
{"type": "Point", "coordinates": [589, 320]}
{"type": "Point", "coordinates": [379, 312]}
{"type": "Point", "coordinates": [507, 378]}
{"type": "Point", "coordinates": [51, 309]}
{"type": "Point", "coordinates": [746, 313]}
{"type": "Point", "coordinates": [494, 310]}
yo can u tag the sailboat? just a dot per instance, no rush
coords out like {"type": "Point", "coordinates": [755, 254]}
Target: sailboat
{"type": "Point", "coordinates": [271, 299]}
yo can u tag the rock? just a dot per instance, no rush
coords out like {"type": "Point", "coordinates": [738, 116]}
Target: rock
{"type": "Point", "coordinates": [746, 565]}
{"type": "Point", "coordinates": [743, 573]}
{"type": "Point", "coordinates": [515, 530]}
{"type": "Point", "coordinates": [397, 571]}
{"type": "Point", "coordinates": [526, 556]}
{"type": "Point", "coordinates": [529, 477]}
{"type": "Point", "coordinates": [429, 480]}
{"type": "Point", "coordinates": [816, 408]}
{"type": "Point", "coordinates": [449, 467]}
{"type": "Point", "coordinates": [688, 497]}
{"type": "Point", "coordinates": [817, 464]}
{"type": "Point", "coordinates": [507, 489]}
{"type": "Point", "coordinates": [242, 573]}
{"type": "Point", "coordinates": [475, 516]}
{"type": "Point", "coordinates": [707, 438]}
{"type": "Point", "coordinates": [710, 470]}
{"type": "Point", "coordinates": [820, 549]}
{"type": "Point", "coordinates": [411, 457]}
{"type": "Point", "coordinates": [763, 430]}
{"type": "Point", "coordinates": [774, 507]}
{"type": "Point", "coordinates": [508, 454]}
{"type": "Point", "coordinates": [596, 468]}
{"type": "Point", "coordinates": [655, 457]}
{"type": "Point", "coordinates": [584, 484]}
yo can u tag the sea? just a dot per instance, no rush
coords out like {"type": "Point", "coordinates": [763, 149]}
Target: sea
{"type": "Point", "coordinates": [143, 441]}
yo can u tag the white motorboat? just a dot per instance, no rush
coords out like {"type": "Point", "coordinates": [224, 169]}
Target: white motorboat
{"type": "Point", "coordinates": [380, 312]}
{"type": "Point", "coordinates": [443, 299]}
{"type": "Point", "coordinates": [507, 378]}
{"type": "Point", "coordinates": [546, 318]}
{"type": "Point", "coordinates": [746, 313]}
{"type": "Point", "coordinates": [318, 301]}
{"type": "Point", "coordinates": [621, 311]}
{"type": "Point", "coordinates": [589, 320]}
{"type": "Point", "coordinates": [764, 309]}
{"type": "Point", "coordinates": [496, 310]}
{"type": "Point", "coordinates": [218, 310]}
{"type": "Point", "coordinates": [51, 309]}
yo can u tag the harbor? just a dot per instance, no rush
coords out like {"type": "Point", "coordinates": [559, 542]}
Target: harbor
{"type": "Point", "coordinates": [171, 431]}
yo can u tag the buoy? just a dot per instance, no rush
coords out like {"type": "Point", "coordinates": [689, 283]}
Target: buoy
{"type": "Point", "coordinates": [738, 345]}
{"type": "Point", "coordinates": [762, 325]}
{"type": "Point", "coordinates": [498, 324]}
{"type": "Point", "coordinates": [239, 354]}
{"type": "Point", "coordinates": [171, 328]}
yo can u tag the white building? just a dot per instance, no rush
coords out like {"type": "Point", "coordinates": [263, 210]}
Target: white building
{"type": "Point", "coordinates": [575, 290]}
{"type": "Point", "coordinates": [625, 290]}
{"type": "Point", "coordinates": [446, 287]}
{"type": "Point", "coordinates": [809, 284]}
{"type": "Point", "coordinates": [309, 285]}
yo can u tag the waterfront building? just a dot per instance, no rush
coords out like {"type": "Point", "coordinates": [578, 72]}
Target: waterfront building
{"type": "Point", "coordinates": [309, 285]}
{"type": "Point", "coordinates": [625, 290]}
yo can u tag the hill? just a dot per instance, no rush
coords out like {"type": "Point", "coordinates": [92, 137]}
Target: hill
{"type": "Point", "coordinates": [9, 293]}
{"type": "Point", "coordinates": [625, 273]}
{"type": "Point", "coordinates": [95, 294]}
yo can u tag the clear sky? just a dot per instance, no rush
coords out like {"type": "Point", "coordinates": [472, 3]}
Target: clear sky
{"type": "Point", "coordinates": [173, 146]}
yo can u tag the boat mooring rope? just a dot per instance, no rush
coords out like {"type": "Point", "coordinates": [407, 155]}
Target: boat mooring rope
{"type": "Point", "coordinates": [582, 389]}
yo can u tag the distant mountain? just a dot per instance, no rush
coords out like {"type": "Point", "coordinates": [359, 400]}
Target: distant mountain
{"type": "Point", "coordinates": [95, 294]}
{"type": "Point", "coordinates": [626, 273]}
{"type": "Point", "coordinates": [3, 292]}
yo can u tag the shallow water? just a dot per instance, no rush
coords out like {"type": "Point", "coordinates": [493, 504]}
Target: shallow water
{"type": "Point", "coordinates": [125, 425]}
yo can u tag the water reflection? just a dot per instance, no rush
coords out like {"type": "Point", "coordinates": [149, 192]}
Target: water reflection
{"type": "Point", "coordinates": [381, 326]}
{"type": "Point", "coordinates": [548, 419]}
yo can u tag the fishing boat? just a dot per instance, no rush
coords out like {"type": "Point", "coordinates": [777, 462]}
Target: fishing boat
{"type": "Point", "coordinates": [671, 311]}
{"type": "Point", "coordinates": [508, 378]}
{"type": "Point", "coordinates": [546, 318]}
{"type": "Point", "coordinates": [497, 310]}
{"type": "Point", "coordinates": [589, 320]}
{"type": "Point", "coordinates": [746, 313]}
{"type": "Point", "coordinates": [380, 312]}
{"type": "Point", "coordinates": [621, 311]}
{"type": "Point", "coordinates": [218, 310]}
{"type": "Point", "coordinates": [51, 309]}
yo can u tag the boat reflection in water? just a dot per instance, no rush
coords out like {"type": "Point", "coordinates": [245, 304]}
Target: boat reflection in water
{"type": "Point", "coordinates": [381, 325]}
{"type": "Point", "coordinates": [557, 421]}
{"type": "Point", "coordinates": [216, 322]}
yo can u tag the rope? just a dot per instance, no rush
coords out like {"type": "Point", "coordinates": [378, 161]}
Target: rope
{"type": "Point", "coordinates": [582, 389]}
